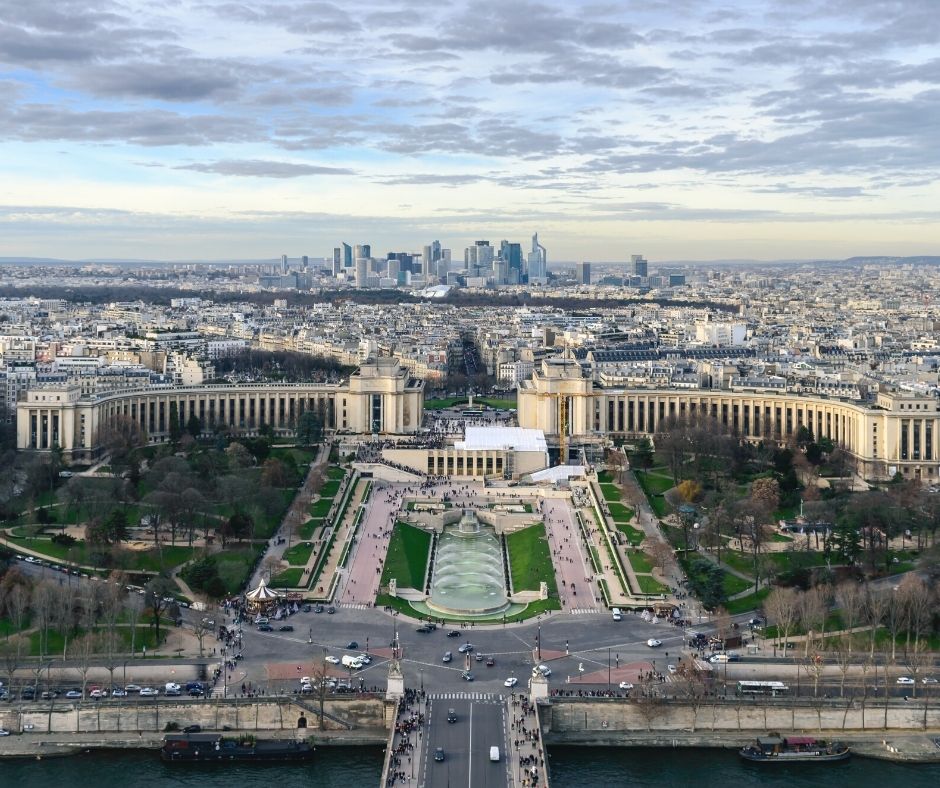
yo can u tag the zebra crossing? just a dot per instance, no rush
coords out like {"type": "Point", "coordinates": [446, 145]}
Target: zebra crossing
{"type": "Point", "coordinates": [485, 697]}
{"type": "Point", "coordinates": [583, 611]}
{"type": "Point", "coordinates": [352, 605]}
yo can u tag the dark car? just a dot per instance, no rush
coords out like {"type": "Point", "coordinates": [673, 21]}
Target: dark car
{"type": "Point", "coordinates": [318, 608]}
{"type": "Point", "coordinates": [439, 754]}
{"type": "Point", "coordinates": [28, 693]}
{"type": "Point", "coordinates": [306, 608]}
{"type": "Point", "coordinates": [451, 715]}
{"type": "Point", "coordinates": [192, 729]}
{"type": "Point", "coordinates": [352, 645]}
{"type": "Point", "coordinates": [196, 692]}
{"type": "Point", "coordinates": [467, 675]}
{"type": "Point", "coordinates": [490, 662]}
{"type": "Point", "coordinates": [454, 633]}
{"type": "Point", "coordinates": [285, 628]}
{"type": "Point", "coordinates": [424, 629]}
{"type": "Point", "coordinates": [331, 610]}
{"type": "Point", "coordinates": [265, 628]}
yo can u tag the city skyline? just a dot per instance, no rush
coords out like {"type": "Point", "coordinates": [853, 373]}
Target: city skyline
{"type": "Point", "coordinates": [682, 130]}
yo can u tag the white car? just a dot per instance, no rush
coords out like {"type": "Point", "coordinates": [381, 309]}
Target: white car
{"type": "Point", "coordinates": [654, 643]}
{"type": "Point", "coordinates": [98, 693]}
{"type": "Point", "coordinates": [4, 732]}
{"type": "Point", "coordinates": [626, 685]}
{"type": "Point", "coordinates": [332, 660]}
{"type": "Point", "coordinates": [928, 680]}
{"type": "Point", "coordinates": [511, 682]}
{"type": "Point", "coordinates": [671, 668]}
{"type": "Point", "coordinates": [149, 692]}
{"type": "Point", "coordinates": [907, 680]}
{"type": "Point", "coordinates": [543, 669]}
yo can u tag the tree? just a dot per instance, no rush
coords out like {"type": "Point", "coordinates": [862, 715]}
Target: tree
{"type": "Point", "coordinates": [782, 608]}
{"type": "Point", "coordinates": [690, 491]}
{"type": "Point", "coordinates": [200, 630]}
{"type": "Point", "coordinates": [44, 603]}
{"type": "Point", "coordinates": [642, 454]}
{"type": "Point", "coordinates": [238, 456]}
{"type": "Point", "coordinates": [765, 495]}
{"type": "Point", "coordinates": [309, 428]}
{"type": "Point", "coordinates": [157, 594]}
{"type": "Point", "coordinates": [86, 646]}
{"type": "Point", "coordinates": [693, 686]}
{"type": "Point", "coordinates": [813, 610]}
{"type": "Point", "coordinates": [194, 425]}
{"type": "Point", "coordinates": [273, 473]}
{"type": "Point", "coordinates": [176, 431]}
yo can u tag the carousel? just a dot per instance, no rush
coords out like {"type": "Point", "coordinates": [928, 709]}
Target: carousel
{"type": "Point", "coordinates": [262, 599]}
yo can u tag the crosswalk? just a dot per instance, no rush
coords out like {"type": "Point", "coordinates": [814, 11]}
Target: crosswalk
{"type": "Point", "coordinates": [583, 611]}
{"type": "Point", "coordinates": [352, 605]}
{"type": "Point", "coordinates": [218, 691]}
{"type": "Point", "coordinates": [485, 697]}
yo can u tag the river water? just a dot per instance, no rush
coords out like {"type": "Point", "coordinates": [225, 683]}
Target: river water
{"type": "Point", "coordinates": [572, 767]}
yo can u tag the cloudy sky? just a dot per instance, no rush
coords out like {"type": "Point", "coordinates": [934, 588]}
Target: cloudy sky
{"type": "Point", "coordinates": [677, 128]}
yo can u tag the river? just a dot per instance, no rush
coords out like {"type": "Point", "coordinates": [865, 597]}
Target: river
{"type": "Point", "coordinates": [572, 767]}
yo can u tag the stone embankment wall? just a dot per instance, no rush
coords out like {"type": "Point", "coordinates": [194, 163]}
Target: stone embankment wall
{"type": "Point", "coordinates": [260, 714]}
{"type": "Point", "coordinates": [613, 720]}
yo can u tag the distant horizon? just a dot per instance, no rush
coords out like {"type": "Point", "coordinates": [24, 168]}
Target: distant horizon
{"type": "Point", "coordinates": [684, 130]}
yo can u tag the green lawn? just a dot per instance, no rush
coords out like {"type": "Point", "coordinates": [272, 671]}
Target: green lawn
{"type": "Point", "coordinates": [321, 508]}
{"type": "Point", "coordinates": [234, 567]}
{"type": "Point", "coordinates": [734, 584]}
{"type": "Point", "coordinates": [289, 578]}
{"type": "Point", "coordinates": [610, 492]}
{"type": "Point", "coordinates": [335, 472]}
{"type": "Point", "coordinates": [742, 562]}
{"type": "Point", "coordinates": [444, 402]}
{"type": "Point", "coordinates": [500, 404]}
{"type": "Point", "coordinates": [299, 554]}
{"type": "Point", "coordinates": [781, 538]}
{"type": "Point", "coordinates": [787, 559]}
{"type": "Point", "coordinates": [407, 557]}
{"type": "Point", "coordinates": [635, 535]}
{"type": "Point", "coordinates": [144, 637]}
{"type": "Point", "coordinates": [329, 488]}
{"type": "Point", "coordinates": [306, 530]}
{"type": "Point", "coordinates": [746, 603]}
{"type": "Point", "coordinates": [530, 559]}
{"type": "Point", "coordinates": [302, 457]}
{"type": "Point", "coordinates": [640, 562]}
{"type": "Point", "coordinates": [650, 585]}
{"type": "Point", "coordinates": [605, 477]}
{"type": "Point", "coordinates": [654, 483]}
{"type": "Point", "coordinates": [620, 512]}
{"type": "Point", "coordinates": [137, 560]}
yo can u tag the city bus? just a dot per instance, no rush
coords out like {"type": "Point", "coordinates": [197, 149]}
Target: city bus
{"type": "Point", "coordinates": [473, 412]}
{"type": "Point", "coordinates": [772, 688]}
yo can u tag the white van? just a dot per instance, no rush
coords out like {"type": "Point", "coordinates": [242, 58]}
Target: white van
{"type": "Point", "coordinates": [352, 662]}
{"type": "Point", "coordinates": [719, 658]}
{"type": "Point", "coordinates": [494, 753]}
{"type": "Point", "coordinates": [617, 615]}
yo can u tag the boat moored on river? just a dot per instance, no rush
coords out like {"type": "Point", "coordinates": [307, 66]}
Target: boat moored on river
{"type": "Point", "coordinates": [213, 747]}
{"type": "Point", "coordinates": [794, 749]}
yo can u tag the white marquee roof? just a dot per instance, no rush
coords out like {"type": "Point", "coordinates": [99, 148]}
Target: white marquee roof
{"type": "Point", "coordinates": [518, 438]}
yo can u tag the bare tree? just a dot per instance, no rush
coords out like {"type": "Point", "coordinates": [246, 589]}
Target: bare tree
{"type": "Point", "coordinates": [812, 616]}
{"type": "Point", "coordinates": [64, 614]}
{"type": "Point", "coordinates": [11, 652]}
{"type": "Point", "coordinates": [876, 607]}
{"type": "Point", "coordinates": [693, 685]}
{"type": "Point", "coordinates": [84, 648]}
{"type": "Point", "coordinates": [782, 608]}
{"type": "Point", "coordinates": [44, 603]}
{"type": "Point", "coordinates": [648, 700]}
{"type": "Point", "coordinates": [200, 630]}
{"type": "Point", "coordinates": [851, 601]}
{"type": "Point", "coordinates": [135, 609]}
{"type": "Point", "coordinates": [918, 607]}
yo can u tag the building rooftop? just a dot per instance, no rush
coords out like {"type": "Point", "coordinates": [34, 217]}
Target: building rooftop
{"type": "Point", "coordinates": [517, 438]}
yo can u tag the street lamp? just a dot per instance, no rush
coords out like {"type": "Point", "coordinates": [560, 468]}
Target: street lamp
{"type": "Point", "coordinates": [538, 642]}
{"type": "Point", "coordinates": [608, 669]}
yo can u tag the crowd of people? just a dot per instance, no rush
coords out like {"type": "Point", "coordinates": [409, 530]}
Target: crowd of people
{"type": "Point", "coordinates": [407, 729]}
{"type": "Point", "coordinates": [526, 742]}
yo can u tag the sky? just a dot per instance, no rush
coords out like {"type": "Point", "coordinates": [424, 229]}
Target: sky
{"type": "Point", "coordinates": [679, 129]}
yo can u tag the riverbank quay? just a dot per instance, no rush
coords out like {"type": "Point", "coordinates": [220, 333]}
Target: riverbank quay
{"type": "Point", "coordinates": [895, 747]}
{"type": "Point", "coordinates": [59, 745]}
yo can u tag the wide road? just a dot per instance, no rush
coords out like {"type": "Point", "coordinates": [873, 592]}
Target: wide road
{"type": "Point", "coordinates": [481, 724]}
{"type": "Point", "coordinates": [572, 570]}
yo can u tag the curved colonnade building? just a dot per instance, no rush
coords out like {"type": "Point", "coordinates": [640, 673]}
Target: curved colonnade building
{"type": "Point", "coordinates": [898, 432]}
{"type": "Point", "coordinates": [380, 397]}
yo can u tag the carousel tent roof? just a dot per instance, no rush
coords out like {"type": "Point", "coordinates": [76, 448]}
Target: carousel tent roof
{"type": "Point", "coordinates": [262, 593]}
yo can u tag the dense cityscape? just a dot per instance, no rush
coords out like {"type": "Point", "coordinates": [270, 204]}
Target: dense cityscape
{"type": "Point", "coordinates": [523, 394]}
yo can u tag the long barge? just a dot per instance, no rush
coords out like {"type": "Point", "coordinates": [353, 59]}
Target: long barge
{"type": "Point", "coordinates": [214, 747]}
